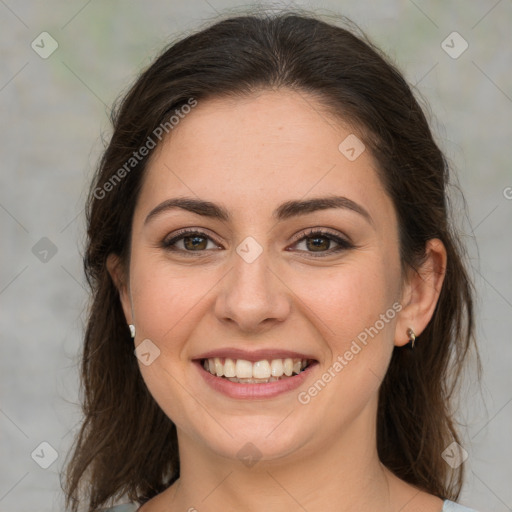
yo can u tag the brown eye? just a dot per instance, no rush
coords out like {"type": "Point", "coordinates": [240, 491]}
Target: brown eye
{"type": "Point", "coordinates": [319, 241]}
{"type": "Point", "coordinates": [193, 241]}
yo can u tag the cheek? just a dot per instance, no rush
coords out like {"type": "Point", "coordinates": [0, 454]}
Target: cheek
{"type": "Point", "coordinates": [357, 321]}
{"type": "Point", "coordinates": [351, 299]}
{"type": "Point", "coordinates": [166, 298]}
{"type": "Point", "coordinates": [169, 303]}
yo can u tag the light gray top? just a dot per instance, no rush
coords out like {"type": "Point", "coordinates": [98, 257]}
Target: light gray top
{"type": "Point", "coordinates": [451, 506]}
{"type": "Point", "coordinates": [448, 506]}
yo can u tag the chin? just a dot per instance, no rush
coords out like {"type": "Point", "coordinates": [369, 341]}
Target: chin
{"type": "Point", "coordinates": [262, 439]}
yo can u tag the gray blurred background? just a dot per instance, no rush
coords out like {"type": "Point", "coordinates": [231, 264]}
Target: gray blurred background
{"type": "Point", "coordinates": [54, 105]}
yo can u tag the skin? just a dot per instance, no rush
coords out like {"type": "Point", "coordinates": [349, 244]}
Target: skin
{"type": "Point", "coordinates": [250, 155]}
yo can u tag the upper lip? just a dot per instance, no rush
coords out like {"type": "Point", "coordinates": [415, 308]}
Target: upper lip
{"type": "Point", "coordinates": [253, 355]}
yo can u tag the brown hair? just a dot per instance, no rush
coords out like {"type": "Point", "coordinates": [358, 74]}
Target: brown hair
{"type": "Point", "coordinates": [127, 445]}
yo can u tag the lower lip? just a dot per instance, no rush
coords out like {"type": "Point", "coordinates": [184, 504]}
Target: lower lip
{"type": "Point", "coordinates": [254, 391]}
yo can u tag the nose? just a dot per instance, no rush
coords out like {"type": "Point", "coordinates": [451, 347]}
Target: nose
{"type": "Point", "coordinates": [252, 296]}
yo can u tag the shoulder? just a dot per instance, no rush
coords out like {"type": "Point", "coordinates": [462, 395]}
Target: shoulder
{"type": "Point", "coordinates": [451, 506]}
{"type": "Point", "coordinates": [448, 506]}
{"type": "Point", "coordinates": [126, 507]}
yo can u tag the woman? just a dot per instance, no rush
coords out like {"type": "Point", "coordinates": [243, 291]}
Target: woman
{"type": "Point", "coordinates": [280, 306]}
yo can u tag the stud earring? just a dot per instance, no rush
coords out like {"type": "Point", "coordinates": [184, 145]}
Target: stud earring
{"type": "Point", "coordinates": [412, 336]}
{"type": "Point", "coordinates": [132, 330]}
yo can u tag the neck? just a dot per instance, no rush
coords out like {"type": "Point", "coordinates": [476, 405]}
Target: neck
{"type": "Point", "coordinates": [344, 470]}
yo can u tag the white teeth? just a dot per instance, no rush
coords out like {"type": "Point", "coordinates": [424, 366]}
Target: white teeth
{"type": "Point", "coordinates": [288, 367]}
{"type": "Point", "coordinates": [241, 370]}
{"type": "Point", "coordinates": [276, 368]}
{"type": "Point", "coordinates": [229, 368]}
{"type": "Point", "coordinates": [254, 381]}
{"type": "Point", "coordinates": [261, 370]}
{"type": "Point", "coordinates": [219, 367]}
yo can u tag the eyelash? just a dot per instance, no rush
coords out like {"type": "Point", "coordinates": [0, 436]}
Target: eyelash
{"type": "Point", "coordinates": [343, 244]}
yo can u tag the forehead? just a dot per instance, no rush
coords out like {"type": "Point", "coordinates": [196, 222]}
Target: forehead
{"type": "Point", "coordinates": [260, 150]}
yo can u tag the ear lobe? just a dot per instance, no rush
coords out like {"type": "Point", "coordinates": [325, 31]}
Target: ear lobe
{"type": "Point", "coordinates": [421, 292]}
{"type": "Point", "coordinates": [118, 276]}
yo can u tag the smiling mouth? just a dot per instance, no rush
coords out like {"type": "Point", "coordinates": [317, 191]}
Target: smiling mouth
{"type": "Point", "coordinates": [259, 372]}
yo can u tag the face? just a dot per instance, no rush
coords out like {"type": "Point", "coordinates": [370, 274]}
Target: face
{"type": "Point", "coordinates": [262, 284]}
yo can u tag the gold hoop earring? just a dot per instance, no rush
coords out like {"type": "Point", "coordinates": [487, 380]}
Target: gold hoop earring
{"type": "Point", "coordinates": [412, 336]}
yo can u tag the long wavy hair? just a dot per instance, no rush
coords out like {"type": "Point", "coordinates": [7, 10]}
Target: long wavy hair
{"type": "Point", "coordinates": [127, 446]}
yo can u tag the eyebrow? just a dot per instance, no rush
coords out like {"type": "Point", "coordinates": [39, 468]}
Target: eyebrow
{"type": "Point", "coordinates": [284, 211]}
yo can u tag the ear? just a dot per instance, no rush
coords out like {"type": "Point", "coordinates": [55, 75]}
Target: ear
{"type": "Point", "coordinates": [421, 292]}
{"type": "Point", "coordinates": [117, 274]}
